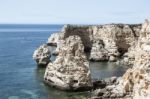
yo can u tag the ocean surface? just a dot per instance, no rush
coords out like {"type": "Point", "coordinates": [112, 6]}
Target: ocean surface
{"type": "Point", "coordinates": [20, 78]}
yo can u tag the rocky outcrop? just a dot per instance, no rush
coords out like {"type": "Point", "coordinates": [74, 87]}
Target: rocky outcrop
{"type": "Point", "coordinates": [42, 55]}
{"type": "Point", "coordinates": [135, 82]}
{"type": "Point", "coordinates": [99, 84]}
{"type": "Point", "coordinates": [116, 38]}
{"type": "Point", "coordinates": [54, 39]}
{"type": "Point", "coordinates": [84, 32]}
{"type": "Point", "coordinates": [70, 71]}
{"type": "Point", "coordinates": [129, 57]}
{"type": "Point", "coordinates": [104, 89]}
{"type": "Point", "coordinates": [98, 52]}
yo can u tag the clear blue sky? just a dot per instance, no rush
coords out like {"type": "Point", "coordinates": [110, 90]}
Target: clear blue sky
{"type": "Point", "coordinates": [74, 11]}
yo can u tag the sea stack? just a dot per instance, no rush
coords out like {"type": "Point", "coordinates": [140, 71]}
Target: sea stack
{"type": "Point", "coordinates": [70, 71]}
{"type": "Point", "coordinates": [42, 55]}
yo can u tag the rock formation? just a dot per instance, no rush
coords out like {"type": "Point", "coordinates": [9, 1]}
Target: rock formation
{"type": "Point", "coordinates": [58, 48]}
{"type": "Point", "coordinates": [42, 55]}
{"type": "Point", "coordinates": [116, 38]}
{"type": "Point", "coordinates": [70, 70]}
{"type": "Point", "coordinates": [135, 82]}
{"type": "Point", "coordinates": [98, 52]}
{"type": "Point", "coordinates": [84, 32]}
{"type": "Point", "coordinates": [55, 38]}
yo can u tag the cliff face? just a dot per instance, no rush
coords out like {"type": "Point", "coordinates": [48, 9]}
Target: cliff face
{"type": "Point", "coordinates": [70, 70]}
{"type": "Point", "coordinates": [81, 31]}
{"type": "Point", "coordinates": [141, 43]}
{"type": "Point", "coordinates": [116, 38]}
{"type": "Point", "coordinates": [136, 81]}
{"type": "Point", "coordinates": [122, 35]}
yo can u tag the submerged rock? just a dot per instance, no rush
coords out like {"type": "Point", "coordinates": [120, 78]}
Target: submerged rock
{"type": "Point", "coordinates": [42, 55]}
{"type": "Point", "coordinates": [84, 32]}
{"type": "Point", "coordinates": [70, 71]}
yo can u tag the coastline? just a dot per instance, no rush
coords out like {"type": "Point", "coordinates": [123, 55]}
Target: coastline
{"type": "Point", "coordinates": [105, 43]}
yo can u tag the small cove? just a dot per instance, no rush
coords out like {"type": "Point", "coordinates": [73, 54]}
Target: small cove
{"type": "Point", "coordinates": [19, 76]}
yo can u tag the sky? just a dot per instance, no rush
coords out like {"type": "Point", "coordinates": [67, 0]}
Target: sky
{"type": "Point", "coordinates": [73, 11]}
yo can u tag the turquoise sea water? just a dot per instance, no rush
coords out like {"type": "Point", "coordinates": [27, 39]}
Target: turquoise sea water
{"type": "Point", "coordinates": [19, 76]}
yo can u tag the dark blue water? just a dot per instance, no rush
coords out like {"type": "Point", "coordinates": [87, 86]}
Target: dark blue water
{"type": "Point", "coordinates": [19, 76]}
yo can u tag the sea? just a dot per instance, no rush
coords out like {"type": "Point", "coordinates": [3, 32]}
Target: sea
{"type": "Point", "coordinates": [20, 78]}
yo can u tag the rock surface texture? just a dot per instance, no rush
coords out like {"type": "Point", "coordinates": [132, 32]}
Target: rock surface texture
{"type": "Point", "coordinates": [129, 57]}
{"type": "Point", "coordinates": [42, 55]}
{"type": "Point", "coordinates": [135, 83]}
{"type": "Point", "coordinates": [117, 38]}
{"type": "Point", "coordinates": [54, 39]}
{"type": "Point", "coordinates": [98, 52]}
{"type": "Point", "coordinates": [105, 42]}
{"type": "Point", "coordinates": [70, 71]}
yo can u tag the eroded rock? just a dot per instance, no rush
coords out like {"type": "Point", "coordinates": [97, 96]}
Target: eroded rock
{"type": "Point", "coordinates": [42, 55]}
{"type": "Point", "coordinates": [116, 38]}
{"type": "Point", "coordinates": [58, 48]}
{"type": "Point", "coordinates": [55, 38]}
{"type": "Point", "coordinates": [135, 83]}
{"type": "Point", "coordinates": [98, 52]}
{"type": "Point", "coordinates": [70, 71]}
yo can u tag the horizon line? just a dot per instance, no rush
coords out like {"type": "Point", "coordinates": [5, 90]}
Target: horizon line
{"type": "Point", "coordinates": [68, 23]}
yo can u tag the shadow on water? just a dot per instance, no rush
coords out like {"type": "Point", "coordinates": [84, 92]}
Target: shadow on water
{"type": "Point", "coordinates": [100, 70]}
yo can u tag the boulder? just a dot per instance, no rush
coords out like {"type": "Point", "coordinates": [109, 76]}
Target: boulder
{"type": "Point", "coordinates": [70, 71]}
{"type": "Point", "coordinates": [42, 55]}
{"type": "Point", "coordinates": [100, 84]}
{"type": "Point", "coordinates": [116, 38]}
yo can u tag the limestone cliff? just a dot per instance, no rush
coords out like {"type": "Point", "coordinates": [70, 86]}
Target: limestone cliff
{"type": "Point", "coordinates": [136, 81]}
{"type": "Point", "coordinates": [116, 38]}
